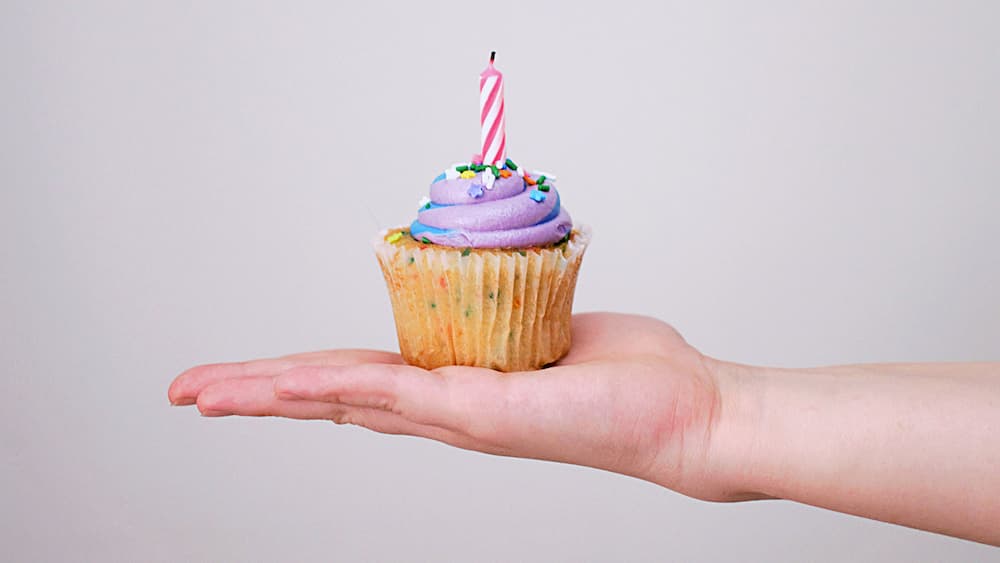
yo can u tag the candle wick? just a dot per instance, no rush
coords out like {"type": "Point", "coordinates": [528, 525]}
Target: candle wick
{"type": "Point", "coordinates": [493, 55]}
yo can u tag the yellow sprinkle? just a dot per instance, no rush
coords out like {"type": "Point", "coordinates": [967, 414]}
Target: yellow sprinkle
{"type": "Point", "coordinates": [394, 237]}
{"type": "Point", "coordinates": [468, 174]}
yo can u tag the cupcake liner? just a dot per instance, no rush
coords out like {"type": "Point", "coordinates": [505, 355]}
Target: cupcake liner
{"type": "Point", "coordinates": [504, 309]}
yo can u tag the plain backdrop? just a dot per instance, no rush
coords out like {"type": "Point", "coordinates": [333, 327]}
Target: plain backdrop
{"type": "Point", "coordinates": [788, 183]}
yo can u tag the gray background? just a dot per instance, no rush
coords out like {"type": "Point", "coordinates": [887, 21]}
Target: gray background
{"type": "Point", "coordinates": [791, 183]}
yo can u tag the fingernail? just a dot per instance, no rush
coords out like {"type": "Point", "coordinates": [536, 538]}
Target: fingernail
{"type": "Point", "coordinates": [182, 402]}
{"type": "Point", "coordinates": [213, 414]}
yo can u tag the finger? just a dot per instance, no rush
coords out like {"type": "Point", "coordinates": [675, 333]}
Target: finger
{"type": "Point", "coordinates": [254, 396]}
{"type": "Point", "coordinates": [387, 422]}
{"type": "Point", "coordinates": [447, 397]}
{"type": "Point", "coordinates": [186, 387]}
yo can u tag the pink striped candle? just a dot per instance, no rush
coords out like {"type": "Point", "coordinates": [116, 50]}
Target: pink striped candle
{"type": "Point", "coordinates": [494, 135]}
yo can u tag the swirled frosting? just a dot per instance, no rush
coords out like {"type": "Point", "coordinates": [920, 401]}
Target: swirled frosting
{"type": "Point", "coordinates": [478, 209]}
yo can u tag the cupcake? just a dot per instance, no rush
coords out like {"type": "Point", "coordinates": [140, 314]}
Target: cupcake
{"type": "Point", "coordinates": [485, 275]}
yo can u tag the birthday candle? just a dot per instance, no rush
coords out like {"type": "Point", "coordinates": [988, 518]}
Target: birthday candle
{"type": "Point", "coordinates": [494, 135]}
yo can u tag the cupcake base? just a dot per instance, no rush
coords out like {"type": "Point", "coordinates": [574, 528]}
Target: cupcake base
{"type": "Point", "coordinates": [503, 309]}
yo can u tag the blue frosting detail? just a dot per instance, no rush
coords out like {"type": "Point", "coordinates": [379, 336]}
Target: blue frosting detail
{"type": "Point", "coordinates": [552, 214]}
{"type": "Point", "coordinates": [432, 205]}
{"type": "Point", "coordinates": [439, 178]}
{"type": "Point", "coordinates": [417, 228]}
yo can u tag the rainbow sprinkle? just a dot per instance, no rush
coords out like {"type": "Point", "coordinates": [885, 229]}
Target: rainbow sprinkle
{"type": "Point", "coordinates": [394, 237]}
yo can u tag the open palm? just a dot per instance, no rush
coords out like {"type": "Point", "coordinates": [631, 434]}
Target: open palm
{"type": "Point", "coordinates": [631, 397]}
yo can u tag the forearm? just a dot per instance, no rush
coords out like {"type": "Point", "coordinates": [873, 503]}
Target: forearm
{"type": "Point", "coordinates": [917, 445]}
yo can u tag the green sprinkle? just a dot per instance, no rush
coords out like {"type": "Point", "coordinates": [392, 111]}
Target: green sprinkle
{"type": "Point", "coordinates": [462, 168]}
{"type": "Point", "coordinates": [491, 295]}
{"type": "Point", "coordinates": [425, 240]}
{"type": "Point", "coordinates": [411, 259]}
{"type": "Point", "coordinates": [494, 169]}
{"type": "Point", "coordinates": [522, 253]}
{"type": "Point", "coordinates": [541, 179]}
{"type": "Point", "coordinates": [433, 305]}
{"type": "Point", "coordinates": [478, 167]}
{"type": "Point", "coordinates": [427, 205]}
{"type": "Point", "coordinates": [563, 240]}
{"type": "Point", "coordinates": [468, 312]}
{"type": "Point", "coordinates": [542, 187]}
{"type": "Point", "coordinates": [510, 164]}
{"type": "Point", "coordinates": [466, 252]}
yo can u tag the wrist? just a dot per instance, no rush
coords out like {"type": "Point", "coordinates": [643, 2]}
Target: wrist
{"type": "Point", "coordinates": [736, 453]}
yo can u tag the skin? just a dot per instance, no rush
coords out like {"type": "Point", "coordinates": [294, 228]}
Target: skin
{"type": "Point", "coordinates": [913, 444]}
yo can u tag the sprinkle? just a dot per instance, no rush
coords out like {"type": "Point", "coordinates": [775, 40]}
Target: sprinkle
{"type": "Point", "coordinates": [505, 173]}
{"type": "Point", "coordinates": [394, 237]}
{"type": "Point", "coordinates": [543, 187]}
{"type": "Point", "coordinates": [510, 164]}
{"type": "Point", "coordinates": [425, 203]}
{"type": "Point", "coordinates": [466, 252]}
{"type": "Point", "coordinates": [541, 179]}
{"type": "Point", "coordinates": [468, 312]}
{"type": "Point", "coordinates": [493, 168]}
{"type": "Point", "coordinates": [475, 190]}
{"type": "Point", "coordinates": [537, 196]}
{"type": "Point", "coordinates": [478, 167]}
{"type": "Point", "coordinates": [530, 181]}
{"type": "Point", "coordinates": [433, 305]}
{"type": "Point", "coordinates": [468, 174]}
{"type": "Point", "coordinates": [462, 168]}
{"type": "Point", "coordinates": [491, 293]}
{"type": "Point", "coordinates": [522, 253]}
{"type": "Point", "coordinates": [411, 259]}
{"type": "Point", "coordinates": [488, 178]}
{"type": "Point", "coordinates": [563, 240]}
{"type": "Point", "coordinates": [425, 240]}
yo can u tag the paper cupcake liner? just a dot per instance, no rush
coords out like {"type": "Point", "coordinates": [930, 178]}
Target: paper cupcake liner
{"type": "Point", "coordinates": [507, 310]}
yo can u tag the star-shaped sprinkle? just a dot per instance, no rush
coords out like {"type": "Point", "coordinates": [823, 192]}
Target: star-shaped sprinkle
{"type": "Point", "coordinates": [537, 196]}
{"type": "Point", "coordinates": [475, 190]}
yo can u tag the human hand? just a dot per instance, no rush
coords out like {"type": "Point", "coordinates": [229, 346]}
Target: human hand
{"type": "Point", "coordinates": [630, 397]}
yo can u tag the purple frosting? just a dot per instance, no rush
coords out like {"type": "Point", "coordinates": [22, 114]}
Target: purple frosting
{"type": "Point", "coordinates": [511, 214]}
